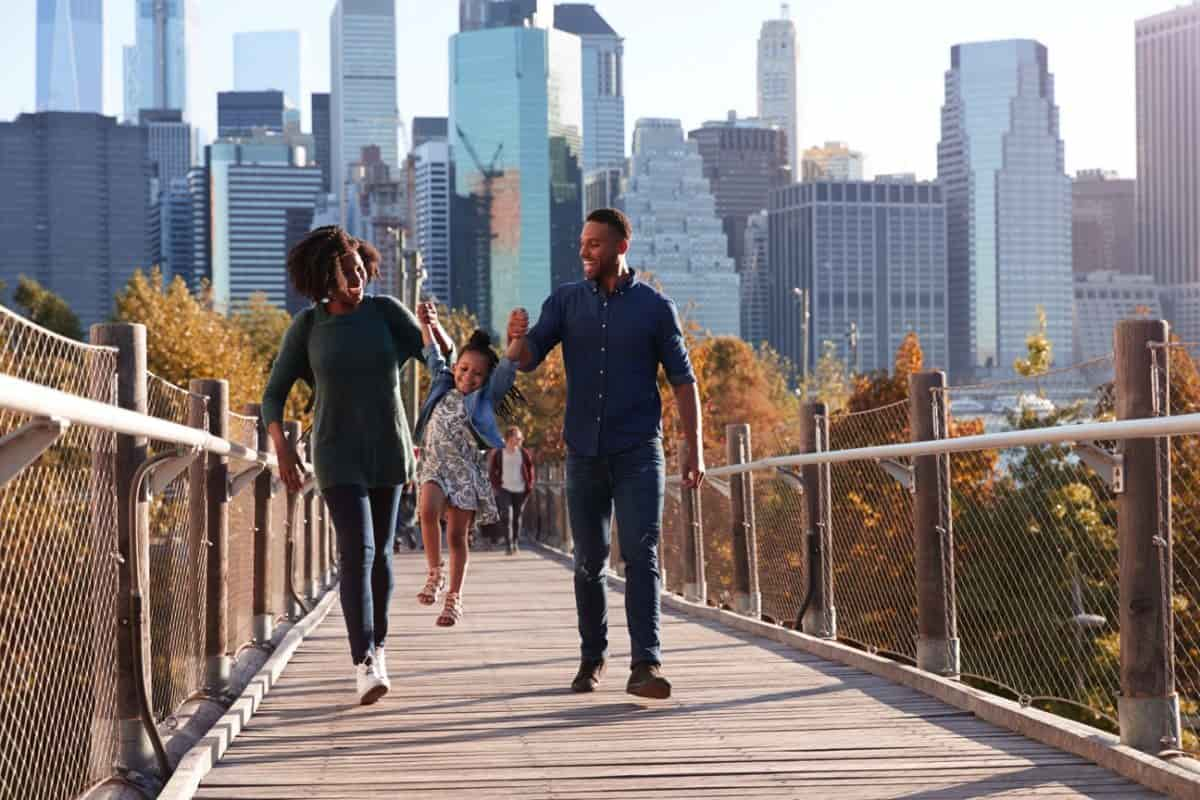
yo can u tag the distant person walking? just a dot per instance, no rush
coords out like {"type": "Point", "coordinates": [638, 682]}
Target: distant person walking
{"type": "Point", "coordinates": [615, 331]}
{"type": "Point", "coordinates": [350, 347]}
{"type": "Point", "coordinates": [511, 471]}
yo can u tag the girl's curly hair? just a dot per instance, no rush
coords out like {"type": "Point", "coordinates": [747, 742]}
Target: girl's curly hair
{"type": "Point", "coordinates": [481, 342]}
{"type": "Point", "coordinates": [313, 267]}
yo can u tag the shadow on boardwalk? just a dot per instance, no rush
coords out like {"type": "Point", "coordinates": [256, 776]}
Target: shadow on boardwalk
{"type": "Point", "coordinates": [483, 709]}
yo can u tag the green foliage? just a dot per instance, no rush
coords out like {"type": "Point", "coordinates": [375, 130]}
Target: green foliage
{"type": "Point", "coordinates": [45, 308]}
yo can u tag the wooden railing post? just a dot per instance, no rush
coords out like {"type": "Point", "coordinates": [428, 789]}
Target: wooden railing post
{"type": "Point", "coordinates": [933, 532]}
{"type": "Point", "coordinates": [219, 662]}
{"type": "Point", "coordinates": [747, 599]}
{"type": "Point", "coordinates": [820, 615]}
{"type": "Point", "coordinates": [136, 752]}
{"type": "Point", "coordinates": [264, 531]}
{"type": "Point", "coordinates": [1148, 706]}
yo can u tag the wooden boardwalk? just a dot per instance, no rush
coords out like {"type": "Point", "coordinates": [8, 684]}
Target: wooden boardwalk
{"type": "Point", "coordinates": [482, 711]}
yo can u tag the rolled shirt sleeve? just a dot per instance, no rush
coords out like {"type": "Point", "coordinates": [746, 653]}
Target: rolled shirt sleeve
{"type": "Point", "coordinates": [547, 333]}
{"type": "Point", "coordinates": [672, 347]}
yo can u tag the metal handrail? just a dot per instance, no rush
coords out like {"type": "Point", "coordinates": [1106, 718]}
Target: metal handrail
{"type": "Point", "coordinates": [1182, 425]}
{"type": "Point", "coordinates": [36, 400]}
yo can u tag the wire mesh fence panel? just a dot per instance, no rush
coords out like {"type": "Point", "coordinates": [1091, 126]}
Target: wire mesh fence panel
{"type": "Point", "coordinates": [58, 582]}
{"type": "Point", "coordinates": [782, 565]}
{"type": "Point", "coordinates": [1185, 526]}
{"type": "Point", "coordinates": [1035, 535]}
{"type": "Point", "coordinates": [244, 431]}
{"type": "Point", "coordinates": [716, 513]}
{"type": "Point", "coordinates": [178, 566]}
{"type": "Point", "coordinates": [871, 513]}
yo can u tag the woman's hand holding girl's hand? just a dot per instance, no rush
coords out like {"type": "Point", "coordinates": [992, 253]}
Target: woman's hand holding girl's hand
{"type": "Point", "coordinates": [427, 314]}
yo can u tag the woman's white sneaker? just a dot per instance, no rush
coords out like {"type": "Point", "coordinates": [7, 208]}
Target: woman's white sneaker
{"type": "Point", "coordinates": [381, 667]}
{"type": "Point", "coordinates": [370, 686]}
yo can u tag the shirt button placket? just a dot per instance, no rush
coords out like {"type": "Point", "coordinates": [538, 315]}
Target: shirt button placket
{"type": "Point", "coordinates": [603, 363]}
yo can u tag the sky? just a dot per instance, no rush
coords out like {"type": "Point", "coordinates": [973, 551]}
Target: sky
{"type": "Point", "coordinates": [871, 70]}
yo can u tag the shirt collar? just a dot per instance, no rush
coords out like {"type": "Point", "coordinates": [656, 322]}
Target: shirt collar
{"type": "Point", "coordinates": [622, 286]}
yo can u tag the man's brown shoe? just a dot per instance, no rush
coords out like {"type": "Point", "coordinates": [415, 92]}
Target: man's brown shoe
{"type": "Point", "coordinates": [588, 677]}
{"type": "Point", "coordinates": [647, 680]}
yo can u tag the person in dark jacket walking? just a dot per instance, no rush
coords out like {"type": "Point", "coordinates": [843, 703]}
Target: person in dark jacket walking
{"type": "Point", "coordinates": [511, 470]}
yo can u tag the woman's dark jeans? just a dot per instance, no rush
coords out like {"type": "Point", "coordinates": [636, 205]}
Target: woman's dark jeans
{"type": "Point", "coordinates": [365, 522]}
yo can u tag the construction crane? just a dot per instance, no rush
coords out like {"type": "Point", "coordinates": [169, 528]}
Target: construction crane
{"type": "Point", "coordinates": [483, 224]}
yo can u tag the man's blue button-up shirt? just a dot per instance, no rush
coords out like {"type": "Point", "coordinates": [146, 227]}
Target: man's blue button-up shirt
{"type": "Point", "coordinates": [612, 346]}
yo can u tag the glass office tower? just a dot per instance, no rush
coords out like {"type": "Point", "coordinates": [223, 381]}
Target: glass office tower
{"type": "Point", "coordinates": [516, 117]}
{"type": "Point", "coordinates": [1008, 206]}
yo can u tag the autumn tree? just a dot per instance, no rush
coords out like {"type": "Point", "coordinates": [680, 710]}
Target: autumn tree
{"type": "Point", "coordinates": [186, 338]}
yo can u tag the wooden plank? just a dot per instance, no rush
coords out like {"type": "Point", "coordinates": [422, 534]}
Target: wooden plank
{"type": "Point", "coordinates": [484, 709]}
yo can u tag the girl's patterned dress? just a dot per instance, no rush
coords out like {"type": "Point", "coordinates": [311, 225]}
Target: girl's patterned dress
{"type": "Point", "coordinates": [452, 459]}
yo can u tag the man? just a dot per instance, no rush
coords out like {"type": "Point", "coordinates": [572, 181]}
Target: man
{"type": "Point", "coordinates": [615, 331]}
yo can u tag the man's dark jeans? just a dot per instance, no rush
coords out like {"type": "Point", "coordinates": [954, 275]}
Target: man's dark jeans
{"type": "Point", "coordinates": [633, 482]}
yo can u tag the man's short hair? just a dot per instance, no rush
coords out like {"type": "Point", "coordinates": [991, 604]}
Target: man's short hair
{"type": "Point", "coordinates": [614, 219]}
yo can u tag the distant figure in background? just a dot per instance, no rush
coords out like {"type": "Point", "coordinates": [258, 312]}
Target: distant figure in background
{"type": "Point", "coordinates": [511, 471]}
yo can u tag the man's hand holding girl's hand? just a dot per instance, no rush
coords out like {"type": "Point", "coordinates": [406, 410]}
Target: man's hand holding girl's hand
{"type": "Point", "coordinates": [518, 323]}
{"type": "Point", "coordinates": [427, 314]}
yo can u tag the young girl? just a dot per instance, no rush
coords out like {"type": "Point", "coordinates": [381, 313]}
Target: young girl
{"type": "Point", "coordinates": [457, 425]}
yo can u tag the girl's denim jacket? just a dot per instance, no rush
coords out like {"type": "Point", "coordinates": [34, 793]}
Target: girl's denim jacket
{"type": "Point", "coordinates": [480, 404]}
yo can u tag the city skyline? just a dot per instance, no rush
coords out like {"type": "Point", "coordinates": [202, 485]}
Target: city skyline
{"type": "Point", "coordinates": [1092, 56]}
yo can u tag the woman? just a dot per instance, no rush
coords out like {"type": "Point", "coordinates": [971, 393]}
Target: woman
{"type": "Point", "coordinates": [351, 348]}
{"type": "Point", "coordinates": [511, 471]}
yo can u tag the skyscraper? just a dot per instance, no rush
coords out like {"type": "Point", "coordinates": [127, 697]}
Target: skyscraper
{"type": "Point", "coordinates": [756, 279]}
{"type": "Point", "coordinates": [241, 113]}
{"type": "Point", "coordinates": [264, 60]}
{"type": "Point", "coordinates": [362, 102]}
{"type": "Point", "coordinates": [778, 93]}
{"type": "Point", "coordinates": [162, 43]}
{"type": "Point", "coordinates": [677, 234]}
{"type": "Point", "coordinates": [516, 120]}
{"type": "Point", "coordinates": [603, 84]}
{"type": "Point", "coordinates": [743, 161]}
{"type": "Point", "coordinates": [472, 14]}
{"type": "Point", "coordinates": [321, 137]}
{"type": "Point", "coordinates": [259, 199]}
{"type": "Point", "coordinates": [1168, 138]}
{"type": "Point", "coordinates": [1008, 205]}
{"type": "Point", "coordinates": [74, 206]}
{"type": "Point", "coordinates": [1103, 223]}
{"type": "Point", "coordinates": [870, 255]}
{"type": "Point", "coordinates": [70, 55]}
{"type": "Point", "coordinates": [429, 129]}
{"type": "Point", "coordinates": [432, 206]}
{"type": "Point", "coordinates": [168, 144]}
{"type": "Point", "coordinates": [835, 162]}
{"type": "Point", "coordinates": [132, 93]}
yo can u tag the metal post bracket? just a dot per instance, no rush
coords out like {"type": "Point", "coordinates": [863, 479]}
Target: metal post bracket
{"type": "Point", "coordinates": [901, 473]}
{"type": "Point", "coordinates": [239, 482]}
{"type": "Point", "coordinates": [23, 446]}
{"type": "Point", "coordinates": [164, 472]}
{"type": "Point", "coordinates": [1108, 465]}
